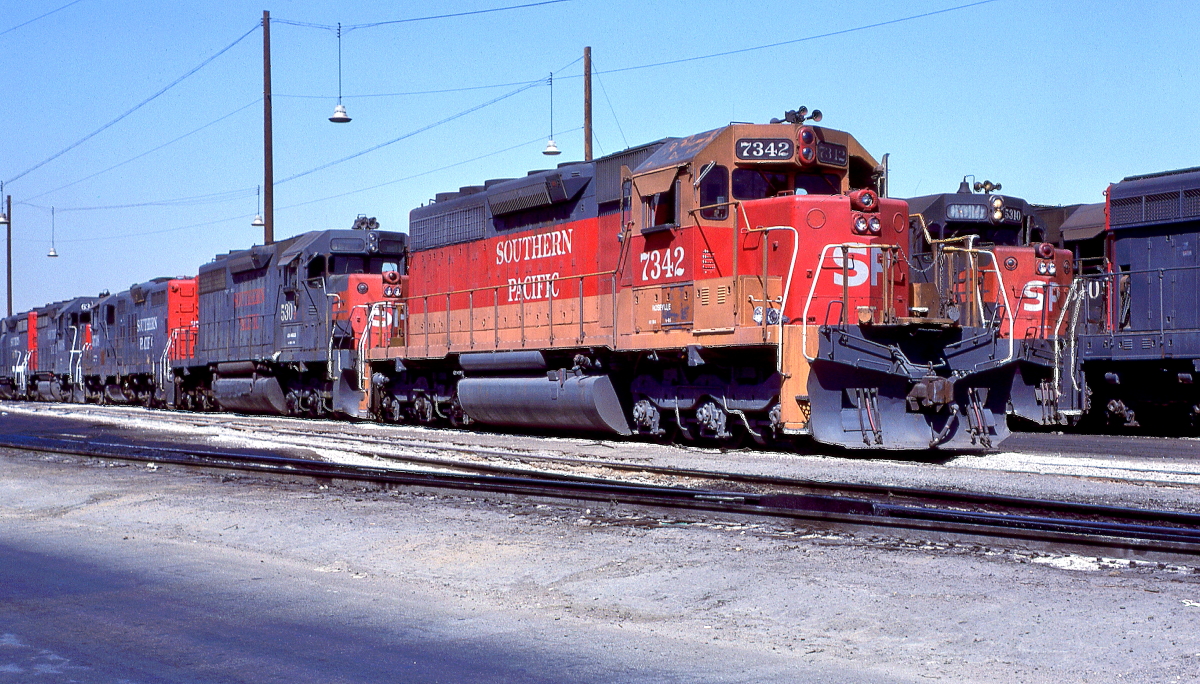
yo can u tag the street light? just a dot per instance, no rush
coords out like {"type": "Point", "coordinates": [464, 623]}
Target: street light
{"type": "Point", "coordinates": [551, 149]}
{"type": "Point", "coordinates": [52, 253]}
{"type": "Point", "coordinates": [258, 221]}
{"type": "Point", "coordinates": [339, 112]}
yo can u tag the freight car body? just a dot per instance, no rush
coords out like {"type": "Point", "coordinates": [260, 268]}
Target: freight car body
{"type": "Point", "coordinates": [999, 241]}
{"type": "Point", "coordinates": [136, 335]}
{"type": "Point", "coordinates": [1140, 357]}
{"type": "Point", "coordinates": [280, 325]}
{"type": "Point", "coordinates": [744, 279]}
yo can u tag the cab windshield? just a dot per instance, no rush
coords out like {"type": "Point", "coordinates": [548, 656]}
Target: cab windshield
{"type": "Point", "coordinates": [757, 183]}
{"type": "Point", "coordinates": [343, 264]}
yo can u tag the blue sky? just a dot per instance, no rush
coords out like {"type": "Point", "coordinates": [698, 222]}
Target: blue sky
{"type": "Point", "coordinates": [1053, 99]}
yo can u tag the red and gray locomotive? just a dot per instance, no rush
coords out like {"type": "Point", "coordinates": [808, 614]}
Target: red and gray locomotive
{"type": "Point", "coordinates": [747, 281]}
{"type": "Point", "coordinates": [980, 255]}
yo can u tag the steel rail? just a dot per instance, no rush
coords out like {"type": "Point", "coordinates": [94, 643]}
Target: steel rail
{"type": "Point", "coordinates": [861, 512]}
{"type": "Point", "coordinates": [885, 493]}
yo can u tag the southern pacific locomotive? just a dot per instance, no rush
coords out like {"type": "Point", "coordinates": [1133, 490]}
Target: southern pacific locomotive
{"type": "Point", "coordinates": [1027, 285]}
{"type": "Point", "coordinates": [746, 281]}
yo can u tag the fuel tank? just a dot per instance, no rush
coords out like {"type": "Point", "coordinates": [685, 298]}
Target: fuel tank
{"type": "Point", "coordinates": [557, 400]}
{"type": "Point", "coordinates": [250, 395]}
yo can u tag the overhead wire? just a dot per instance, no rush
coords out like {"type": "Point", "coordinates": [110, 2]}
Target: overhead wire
{"type": "Point", "coordinates": [157, 232]}
{"type": "Point", "coordinates": [830, 34]}
{"type": "Point", "coordinates": [525, 85]}
{"type": "Point", "coordinates": [423, 173]}
{"type": "Point", "coordinates": [636, 67]}
{"type": "Point", "coordinates": [610, 105]}
{"type": "Point", "coordinates": [409, 134]}
{"type": "Point", "coordinates": [143, 154]}
{"type": "Point", "coordinates": [133, 109]}
{"type": "Point", "coordinates": [244, 216]}
{"type": "Point", "coordinates": [211, 198]}
{"type": "Point", "coordinates": [354, 27]}
{"type": "Point", "coordinates": [43, 16]}
{"type": "Point", "coordinates": [415, 92]}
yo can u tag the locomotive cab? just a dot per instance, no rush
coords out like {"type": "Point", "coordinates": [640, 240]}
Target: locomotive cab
{"type": "Point", "coordinates": [281, 325]}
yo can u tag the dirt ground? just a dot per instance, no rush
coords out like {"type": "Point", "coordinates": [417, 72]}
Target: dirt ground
{"type": "Point", "coordinates": [542, 591]}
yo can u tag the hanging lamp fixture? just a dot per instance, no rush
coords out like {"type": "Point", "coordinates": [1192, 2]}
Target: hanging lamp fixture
{"type": "Point", "coordinates": [551, 148]}
{"type": "Point", "coordinates": [53, 253]}
{"type": "Point", "coordinates": [339, 112]}
{"type": "Point", "coordinates": [258, 221]}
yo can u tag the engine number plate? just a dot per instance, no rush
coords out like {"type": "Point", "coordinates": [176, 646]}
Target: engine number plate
{"type": "Point", "coordinates": [765, 148]}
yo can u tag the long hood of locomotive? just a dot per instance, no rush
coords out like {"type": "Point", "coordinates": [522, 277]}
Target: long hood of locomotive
{"type": "Point", "coordinates": [509, 268]}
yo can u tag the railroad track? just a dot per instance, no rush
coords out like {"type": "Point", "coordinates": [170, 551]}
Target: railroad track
{"type": "Point", "coordinates": [1138, 531]}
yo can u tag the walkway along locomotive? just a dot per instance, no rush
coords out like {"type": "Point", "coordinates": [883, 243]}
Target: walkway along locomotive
{"type": "Point", "coordinates": [747, 278]}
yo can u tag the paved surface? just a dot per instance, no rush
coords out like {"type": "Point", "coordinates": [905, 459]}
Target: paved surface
{"type": "Point", "coordinates": [135, 574]}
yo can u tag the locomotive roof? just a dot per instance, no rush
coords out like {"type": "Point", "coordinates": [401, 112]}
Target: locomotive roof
{"type": "Point", "coordinates": [285, 251]}
{"type": "Point", "coordinates": [678, 151]}
{"type": "Point", "coordinates": [1153, 183]}
{"type": "Point", "coordinates": [1087, 221]}
{"type": "Point", "coordinates": [475, 212]}
{"type": "Point", "coordinates": [1155, 198]}
{"type": "Point", "coordinates": [926, 204]}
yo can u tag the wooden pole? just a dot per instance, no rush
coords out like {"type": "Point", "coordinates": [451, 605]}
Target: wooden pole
{"type": "Point", "coordinates": [9, 261]}
{"type": "Point", "coordinates": [268, 154]}
{"type": "Point", "coordinates": [587, 104]}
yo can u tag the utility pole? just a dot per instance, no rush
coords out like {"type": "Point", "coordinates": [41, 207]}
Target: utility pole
{"type": "Point", "coordinates": [9, 261]}
{"type": "Point", "coordinates": [587, 104]}
{"type": "Point", "coordinates": [268, 155]}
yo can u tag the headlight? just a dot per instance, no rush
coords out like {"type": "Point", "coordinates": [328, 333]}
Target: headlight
{"type": "Point", "coordinates": [387, 290]}
{"type": "Point", "coordinates": [758, 314]}
{"type": "Point", "coordinates": [1050, 268]}
{"type": "Point", "coordinates": [807, 136]}
{"type": "Point", "coordinates": [362, 288]}
{"type": "Point", "coordinates": [1010, 263]}
{"type": "Point", "coordinates": [772, 316]}
{"type": "Point", "coordinates": [997, 202]}
{"type": "Point", "coordinates": [860, 225]}
{"type": "Point", "coordinates": [1041, 268]}
{"type": "Point", "coordinates": [998, 215]}
{"type": "Point", "coordinates": [876, 226]}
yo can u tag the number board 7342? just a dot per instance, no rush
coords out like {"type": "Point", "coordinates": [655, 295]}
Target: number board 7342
{"type": "Point", "coordinates": [775, 149]}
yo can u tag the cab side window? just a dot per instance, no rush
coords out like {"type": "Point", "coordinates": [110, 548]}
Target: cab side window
{"type": "Point", "coordinates": [714, 193]}
{"type": "Point", "coordinates": [316, 268]}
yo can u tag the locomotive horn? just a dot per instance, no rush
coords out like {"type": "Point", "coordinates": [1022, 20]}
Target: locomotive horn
{"type": "Point", "coordinates": [816, 115]}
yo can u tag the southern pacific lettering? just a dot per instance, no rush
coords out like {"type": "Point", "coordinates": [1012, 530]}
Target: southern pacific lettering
{"type": "Point", "coordinates": [533, 247]}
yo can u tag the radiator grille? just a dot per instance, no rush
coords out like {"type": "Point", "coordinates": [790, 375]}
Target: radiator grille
{"type": "Point", "coordinates": [1163, 206]}
{"type": "Point", "coordinates": [1125, 210]}
{"type": "Point", "coordinates": [450, 228]}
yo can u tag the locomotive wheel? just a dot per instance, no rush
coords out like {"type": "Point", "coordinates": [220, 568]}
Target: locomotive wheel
{"type": "Point", "coordinates": [423, 409]}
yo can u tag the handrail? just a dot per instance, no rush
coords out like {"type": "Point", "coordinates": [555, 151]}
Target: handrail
{"type": "Point", "coordinates": [787, 288]}
{"type": "Point", "coordinates": [1003, 290]}
{"type": "Point", "coordinates": [846, 246]}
